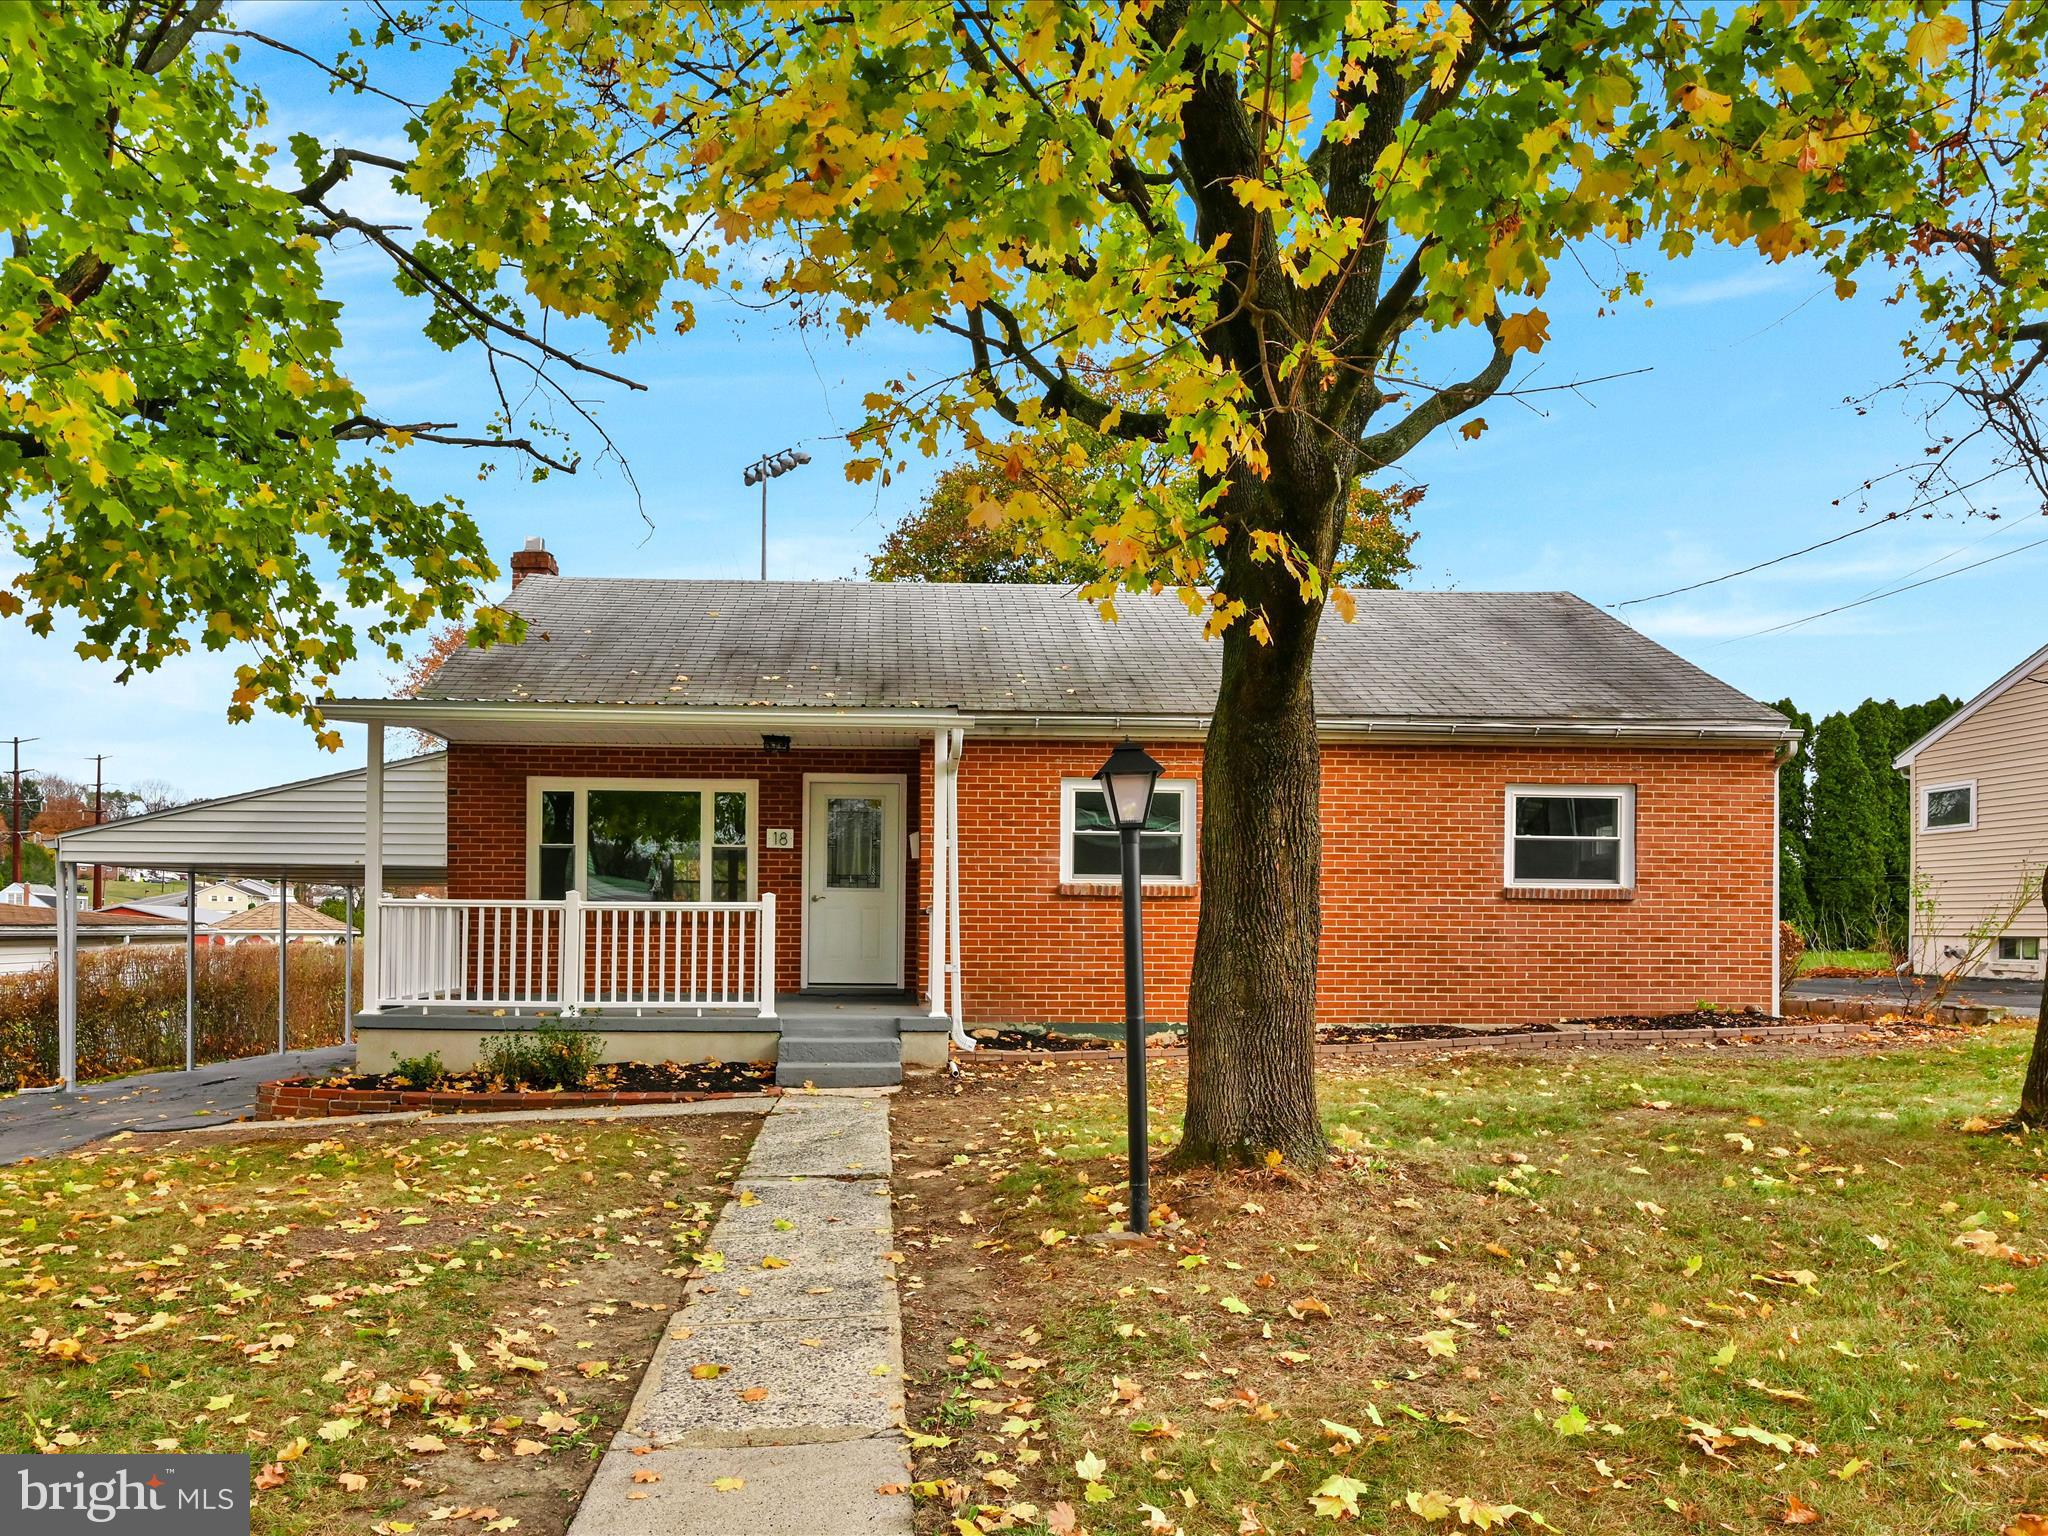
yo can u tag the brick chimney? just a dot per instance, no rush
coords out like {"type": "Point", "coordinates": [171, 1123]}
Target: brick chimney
{"type": "Point", "coordinates": [534, 560]}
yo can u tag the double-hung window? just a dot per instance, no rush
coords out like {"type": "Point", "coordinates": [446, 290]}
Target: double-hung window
{"type": "Point", "coordinates": [1089, 851]}
{"type": "Point", "coordinates": [1571, 835]}
{"type": "Point", "coordinates": [641, 840]}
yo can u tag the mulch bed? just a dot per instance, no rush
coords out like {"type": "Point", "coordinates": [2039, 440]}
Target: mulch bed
{"type": "Point", "coordinates": [1374, 1034]}
{"type": "Point", "coordinates": [631, 1082]}
{"type": "Point", "coordinates": [612, 1077]}
{"type": "Point", "coordinates": [1037, 1040]}
{"type": "Point", "coordinates": [1692, 1018]}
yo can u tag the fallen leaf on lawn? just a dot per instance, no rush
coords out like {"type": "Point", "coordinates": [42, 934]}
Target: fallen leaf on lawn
{"type": "Point", "coordinates": [354, 1482]}
{"type": "Point", "coordinates": [270, 1475]}
{"type": "Point", "coordinates": [1798, 1512]}
{"type": "Point", "coordinates": [1090, 1468]}
{"type": "Point", "coordinates": [426, 1443]}
{"type": "Point", "coordinates": [2027, 1525]}
{"type": "Point", "coordinates": [527, 1448]}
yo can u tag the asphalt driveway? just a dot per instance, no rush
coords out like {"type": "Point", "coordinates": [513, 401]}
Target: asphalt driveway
{"type": "Point", "coordinates": [44, 1124]}
{"type": "Point", "coordinates": [2018, 997]}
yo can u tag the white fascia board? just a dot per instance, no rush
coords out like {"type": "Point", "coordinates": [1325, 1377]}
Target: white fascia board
{"type": "Point", "coordinates": [1905, 759]}
{"type": "Point", "coordinates": [421, 714]}
{"type": "Point", "coordinates": [1170, 727]}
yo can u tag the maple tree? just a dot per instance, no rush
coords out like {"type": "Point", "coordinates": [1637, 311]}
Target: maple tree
{"type": "Point", "coordinates": [1301, 237]}
{"type": "Point", "coordinates": [1276, 225]}
{"type": "Point", "coordinates": [943, 538]}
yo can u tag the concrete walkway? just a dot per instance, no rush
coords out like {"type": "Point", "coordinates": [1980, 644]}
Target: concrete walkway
{"type": "Point", "coordinates": [44, 1124]}
{"type": "Point", "coordinates": [774, 1403]}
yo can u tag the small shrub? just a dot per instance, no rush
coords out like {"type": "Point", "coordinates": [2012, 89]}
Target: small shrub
{"type": "Point", "coordinates": [1791, 950]}
{"type": "Point", "coordinates": [421, 1071]}
{"type": "Point", "coordinates": [550, 1055]}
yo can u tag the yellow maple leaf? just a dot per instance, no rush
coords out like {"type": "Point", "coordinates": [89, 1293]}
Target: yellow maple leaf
{"type": "Point", "coordinates": [1928, 43]}
{"type": "Point", "coordinates": [1709, 106]}
{"type": "Point", "coordinates": [1526, 332]}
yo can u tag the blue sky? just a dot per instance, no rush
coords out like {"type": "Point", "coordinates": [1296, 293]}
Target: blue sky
{"type": "Point", "coordinates": [1735, 446]}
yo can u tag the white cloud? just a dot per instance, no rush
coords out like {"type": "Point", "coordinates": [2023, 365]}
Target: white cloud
{"type": "Point", "coordinates": [1746, 284]}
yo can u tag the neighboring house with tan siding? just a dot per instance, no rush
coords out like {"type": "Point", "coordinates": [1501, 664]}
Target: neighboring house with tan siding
{"type": "Point", "coordinates": [1980, 824]}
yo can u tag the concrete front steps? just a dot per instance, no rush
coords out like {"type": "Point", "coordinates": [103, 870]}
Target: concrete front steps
{"type": "Point", "coordinates": [850, 1040]}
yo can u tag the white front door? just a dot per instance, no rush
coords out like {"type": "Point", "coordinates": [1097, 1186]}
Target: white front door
{"type": "Point", "coordinates": [853, 883]}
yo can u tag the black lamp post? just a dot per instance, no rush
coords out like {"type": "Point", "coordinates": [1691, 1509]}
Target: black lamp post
{"type": "Point", "coordinates": [1127, 781]}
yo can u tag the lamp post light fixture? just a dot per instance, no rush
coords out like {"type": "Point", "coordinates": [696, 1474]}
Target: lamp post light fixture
{"type": "Point", "coordinates": [1127, 781]}
{"type": "Point", "coordinates": [760, 472]}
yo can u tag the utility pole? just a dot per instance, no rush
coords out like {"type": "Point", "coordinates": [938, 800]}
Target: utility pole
{"type": "Point", "coordinates": [15, 804]}
{"type": "Point", "coordinates": [99, 764]}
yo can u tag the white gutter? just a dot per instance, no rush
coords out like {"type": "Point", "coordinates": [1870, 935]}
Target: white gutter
{"type": "Point", "coordinates": [415, 712]}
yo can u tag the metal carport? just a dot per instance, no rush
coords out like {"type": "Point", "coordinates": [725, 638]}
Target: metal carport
{"type": "Point", "coordinates": [314, 829]}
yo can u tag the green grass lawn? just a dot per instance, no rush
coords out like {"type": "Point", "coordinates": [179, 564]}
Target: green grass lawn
{"type": "Point", "coordinates": [1845, 959]}
{"type": "Point", "coordinates": [390, 1322]}
{"type": "Point", "coordinates": [1684, 1291]}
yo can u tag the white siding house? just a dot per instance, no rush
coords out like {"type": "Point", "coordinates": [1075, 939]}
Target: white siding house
{"type": "Point", "coordinates": [1980, 824]}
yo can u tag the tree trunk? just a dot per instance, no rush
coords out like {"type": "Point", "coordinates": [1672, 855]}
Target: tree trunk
{"type": "Point", "coordinates": [1252, 1002]}
{"type": "Point", "coordinates": [2034, 1091]}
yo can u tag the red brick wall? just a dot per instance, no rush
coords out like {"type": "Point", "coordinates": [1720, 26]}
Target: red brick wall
{"type": "Point", "coordinates": [1415, 925]}
{"type": "Point", "coordinates": [487, 820]}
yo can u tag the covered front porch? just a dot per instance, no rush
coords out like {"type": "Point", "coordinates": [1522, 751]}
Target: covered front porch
{"type": "Point", "coordinates": [762, 884]}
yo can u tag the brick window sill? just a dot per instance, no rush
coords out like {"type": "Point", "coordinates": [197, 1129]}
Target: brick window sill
{"type": "Point", "coordinates": [1566, 893]}
{"type": "Point", "coordinates": [1110, 890]}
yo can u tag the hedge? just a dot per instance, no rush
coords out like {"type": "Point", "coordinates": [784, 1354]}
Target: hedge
{"type": "Point", "coordinates": [131, 1008]}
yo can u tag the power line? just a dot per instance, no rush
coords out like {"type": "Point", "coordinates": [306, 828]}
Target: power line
{"type": "Point", "coordinates": [1761, 564]}
{"type": "Point", "coordinates": [1892, 592]}
{"type": "Point", "coordinates": [1889, 517]}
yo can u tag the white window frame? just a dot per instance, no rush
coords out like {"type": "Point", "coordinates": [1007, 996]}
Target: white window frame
{"type": "Point", "coordinates": [579, 861]}
{"type": "Point", "coordinates": [1929, 791]}
{"type": "Point", "coordinates": [1188, 834]}
{"type": "Point", "coordinates": [1624, 793]}
{"type": "Point", "coordinates": [2016, 940]}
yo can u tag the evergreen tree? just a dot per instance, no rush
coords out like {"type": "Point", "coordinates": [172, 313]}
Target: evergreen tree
{"type": "Point", "coordinates": [1881, 730]}
{"type": "Point", "coordinates": [1845, 863]}
{"type": "Point", "coordinates": [1795, 814]}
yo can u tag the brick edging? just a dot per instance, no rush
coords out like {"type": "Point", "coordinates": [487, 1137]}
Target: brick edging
{"type": "Point", "coordinates": [1820, 1029]}
{"type": "Point", "coordinates": [296, 1099]}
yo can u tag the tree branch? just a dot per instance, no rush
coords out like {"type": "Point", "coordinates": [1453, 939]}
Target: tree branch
{"type": "Point", "coordinates": [358, 429]}
{"type": "Point", "coordinates": [461, 301]}
{"type": "Point", "coordinates": [1062, 393]}
{"type": "Point", "coordinates": [1384, 448]}
{"type": "Point", "coordinates": [338, 167]}
{"type": "Point", "coordinates": [171, 36]}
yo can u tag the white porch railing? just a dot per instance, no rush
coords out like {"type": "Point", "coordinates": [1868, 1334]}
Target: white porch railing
{"type": "Point", "coordinates": [573, 953]}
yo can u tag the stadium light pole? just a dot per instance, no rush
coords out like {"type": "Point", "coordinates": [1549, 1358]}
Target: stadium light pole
{"type": "Point", "coordinates": [760, 472]}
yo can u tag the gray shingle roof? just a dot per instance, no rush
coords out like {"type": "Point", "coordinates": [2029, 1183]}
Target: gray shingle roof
{"type": "Point", "coordinates": [1512, 656]}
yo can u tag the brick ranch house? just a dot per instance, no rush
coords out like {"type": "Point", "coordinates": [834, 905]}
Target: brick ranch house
{"type": "Point", "coordinates": [840, 820]}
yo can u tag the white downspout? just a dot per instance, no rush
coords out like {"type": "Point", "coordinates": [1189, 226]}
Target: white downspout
{"type": "Point", "coordinates": [67, 976]}
{"type": "Point", "coordinates": [935, 864]}
{"type": "Point", "coordinates": [373, 873]}
{"type": "Point", "coordinates": [959, 1009]}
